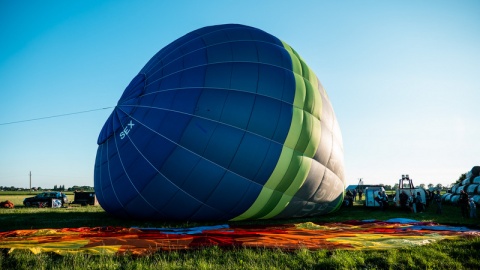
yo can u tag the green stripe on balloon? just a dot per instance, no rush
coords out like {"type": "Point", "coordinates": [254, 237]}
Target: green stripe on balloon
{"type": "Point", "coordinates": [299, 148]}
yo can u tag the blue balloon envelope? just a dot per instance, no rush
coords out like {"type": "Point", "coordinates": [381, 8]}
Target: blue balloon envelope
{"type": "Point", "coordinates": [225, 123]}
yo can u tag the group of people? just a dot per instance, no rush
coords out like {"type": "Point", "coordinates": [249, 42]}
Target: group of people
{"type": "Point", "coordinates": [467, 205]}
{"type": "Point", "coordinates": [414, 203]}
{"type": "Point", "coordinates": [382, 199]}
{"type": "Point", "coordinates": [353, 194]}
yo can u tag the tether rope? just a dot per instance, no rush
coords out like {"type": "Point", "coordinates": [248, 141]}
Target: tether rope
{"type": "Point", "coordinates": [52, 116]}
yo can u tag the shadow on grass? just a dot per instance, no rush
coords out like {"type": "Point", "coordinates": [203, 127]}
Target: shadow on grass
{"type": "Point", "coordinates": [66, 218]}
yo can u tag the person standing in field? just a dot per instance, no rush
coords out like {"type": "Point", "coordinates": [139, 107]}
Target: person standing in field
{"type": "Point", "coordinates": [420, 203]}
{"type": "Point", "coordinates": [438, 201]}
{"type": "Point", "coordinates": [463, 201]}
{"type": "Point", "coordinates": [473, 208]}
{"type": "Point", "coordinates": [384, 199]}
{"type": "Point", "coordinates": [411, 203]}
{"type": "Point", "coordinates": [360, 192]}
{"type": "Point", "coordinates": [379, 200]}
{"type": "Point", "coordinates": [404, 200]}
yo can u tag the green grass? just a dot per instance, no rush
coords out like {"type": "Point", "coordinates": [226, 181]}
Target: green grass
{"type": "Point", "coordinates": [446, 254]}
{"type": "Point", "coordinates": [460, 254]}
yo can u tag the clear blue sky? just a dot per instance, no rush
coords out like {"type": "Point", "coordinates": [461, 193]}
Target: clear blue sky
{"type": "Point", "coordinates": [403, 78]}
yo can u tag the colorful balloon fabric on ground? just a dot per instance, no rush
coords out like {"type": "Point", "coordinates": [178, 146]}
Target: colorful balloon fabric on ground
{"type": "Point", "coordinates": [353, 235]}
{"type": "Point", "coordinates": [225, 123]}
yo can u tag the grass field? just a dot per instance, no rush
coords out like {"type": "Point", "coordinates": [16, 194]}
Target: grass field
{"type": "Point", "coordinates": [458, 254]}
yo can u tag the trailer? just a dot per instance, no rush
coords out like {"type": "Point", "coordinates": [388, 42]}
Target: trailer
{"type": "Point", "coordinates": [84, 198]}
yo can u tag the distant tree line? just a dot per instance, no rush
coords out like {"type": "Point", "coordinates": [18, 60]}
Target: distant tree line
{"type": "Point", "coordinates": [59, 188]}
{"type": "Point", "coordinates": [55, 188]}
{"type": "Point", "coordinates": [423, 186]}
{"type": "Point", "coordinates": [462, 177]}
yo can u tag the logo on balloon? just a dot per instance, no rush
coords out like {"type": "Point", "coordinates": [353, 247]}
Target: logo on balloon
{"type": "Point", "coordinates": [126, 130]}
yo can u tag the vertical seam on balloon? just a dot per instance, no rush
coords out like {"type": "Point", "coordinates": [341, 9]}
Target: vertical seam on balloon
{"type": "Point", "coordinates": [126, 173]}
{"type": "Point", "coordinates": [228, 92]}
{"type": "Point", "coordinates": [249, 119]}
{"type": "Point", "coordinates": [189, 173]}
{"type": "Point", "coordinates": [204, 82]}
{"type": "Point", "coordinates": [294, 186]}
{"type": "Point", "coordinates": [209, 139]}
{"type": "Point", "coordinates": [329, 208]}
{"type": "Point", "coordinates": [109, 174]}
{"type": "Point", "coordinates": [342, 194]}
{"type": "Point", "coordinates": [263, 202]}
{"type": "Point", "coordinates": [205, 149]}
{"type": "Point", "coordinates": [107, 170]}
{"type": "Point", "coordinates": [156, 61]}
{"type": "Point", "coordinates": [322, 95]}
{"type": "Point", "coordinates": [300, 171]}
{"type": "Point", "coordinates": [255, 101]}
{"type": "Point", "coordinates": [251, 212]}
{"type": "Point", "coordinates": [221, 114]}
{"type": "Point", "coordinates": [268, 194]}
{"type": "Point", "coordinates": [302, 144]}
{"type": "Point", "coordinates": [205, 48]}
{"type": "Point", "coordinates": [298, 126]}
{"type": "Point", "coordinates": [196, 104]}
{"type": "Point", "coordinates": [318, 188]}
{"type": "Point", "coordinates": [256, 174]}
{"type": "Point", "coordinates": [100, 177]}
{"type": "Point", "coordinates": [223, 105]}
{"type": "Point", "coordinates": [312, 116]}
{"type": "Point", "coordinates": [332, 144]}
{"type": "Point", "coordinates": [198, 37]}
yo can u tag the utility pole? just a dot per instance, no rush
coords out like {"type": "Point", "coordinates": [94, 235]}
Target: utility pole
{"type": "Point", "coordinates": [30, 181]}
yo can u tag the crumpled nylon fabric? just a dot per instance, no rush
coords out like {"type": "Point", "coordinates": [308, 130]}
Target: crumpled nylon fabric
{"type": "Point", "coordinates": [353, 235]}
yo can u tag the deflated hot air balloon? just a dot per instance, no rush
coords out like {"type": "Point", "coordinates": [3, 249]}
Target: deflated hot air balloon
{"type": "Point", "coordinates": [225, 123]}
